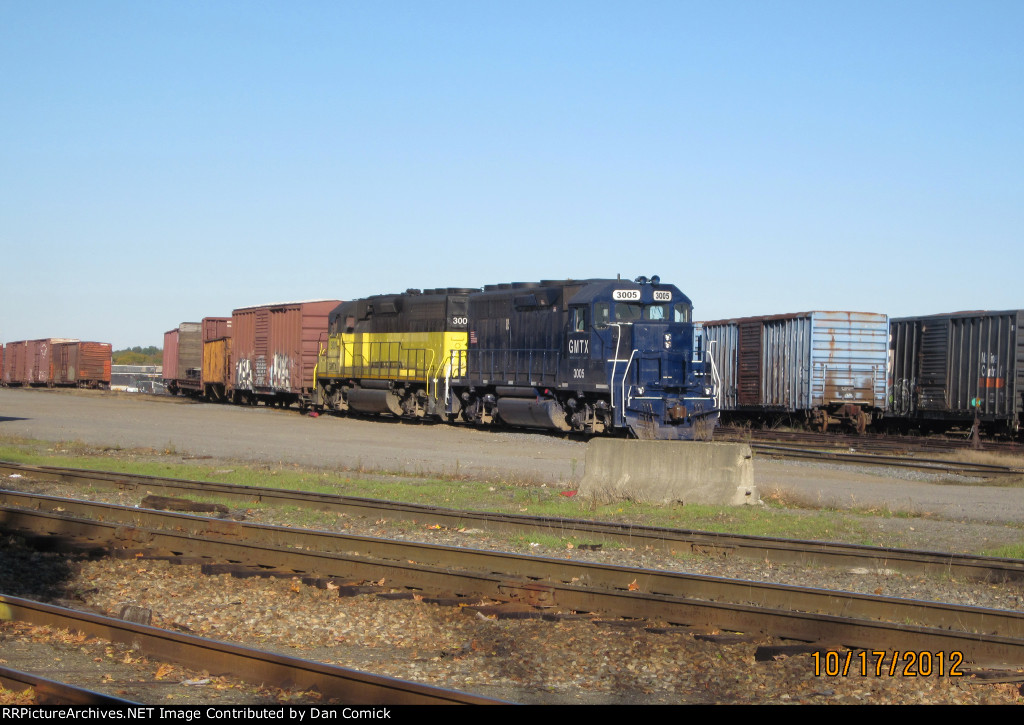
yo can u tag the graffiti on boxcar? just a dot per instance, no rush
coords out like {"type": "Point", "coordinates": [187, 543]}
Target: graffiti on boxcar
{"type": "Point", "coordinates": [243, 374]}
{"type": "Point", "coordinates": [900, 397]}
{"type": "Point", "coordinates": [280, 373]}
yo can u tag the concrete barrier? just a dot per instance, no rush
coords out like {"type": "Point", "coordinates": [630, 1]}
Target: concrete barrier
{"type": "Point", "coordinates": [669, 472]}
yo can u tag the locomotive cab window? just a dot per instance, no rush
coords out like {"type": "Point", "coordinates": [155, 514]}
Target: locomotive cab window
{"type": "Point", "coordinates": [657, 313]}
{"type": "Point", "coordinates": [602, 315]}
{"type": "Point", "coordinates": [628, 311]}
{"type": "Point", "coordinates": [682, 312]}
{"type": "Point", "coordinates": [579, 319]}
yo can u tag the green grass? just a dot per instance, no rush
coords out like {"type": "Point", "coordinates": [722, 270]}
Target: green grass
{"type": "Point", "coordinates": [782, 516]}
{"type": "Point", "coordinates": [1013, 551]}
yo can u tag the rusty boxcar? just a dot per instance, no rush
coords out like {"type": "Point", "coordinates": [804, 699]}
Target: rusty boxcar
{"type": "Point", "coordinates": [39, 360]}
{"type": "Point", "coordinates": [274, 351]}
{"type": "Point", "coordinates": [952, 369]}
{"type": "Point", "coordinates": [81, 364]}
{"type": "Point", "coordinates": [15, 357]}
{"type": "Point", "coordinates": [820, 368]}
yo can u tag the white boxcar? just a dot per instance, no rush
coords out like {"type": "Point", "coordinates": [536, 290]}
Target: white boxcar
{"type": "Point", "coordinates": [820, 368]}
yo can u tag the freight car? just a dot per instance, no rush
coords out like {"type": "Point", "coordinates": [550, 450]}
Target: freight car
{"type": "Point", "coordinates": [81, 364]}
{"type": "Point", "coordinates": [215, 377]}
{"type": "Point", "coordinates": [183, 359]}
{"type": "Point", "coordinates": [821, 369]}
{"type": "Point", "coordinates": [14, 367]}
{"type": "Point", "coordinates": [39, 360]}
{"type": "Point", "coordinates": [56, 361]}
{"type": "Point", "coordinates": [951, 370]}
{"type": "Point", "coordinates": [590, 356]}
{"type": "Point", "coordinates": [274, 351]}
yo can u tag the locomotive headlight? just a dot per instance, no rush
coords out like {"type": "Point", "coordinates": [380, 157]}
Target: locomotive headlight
{"type": "Point", "coordinates": [707, 391]}
{"type": "Point", "coordinates": [668, 341]}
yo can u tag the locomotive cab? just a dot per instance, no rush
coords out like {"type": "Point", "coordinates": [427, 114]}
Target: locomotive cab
{"type": "Point", "coordinates": [636, 341]}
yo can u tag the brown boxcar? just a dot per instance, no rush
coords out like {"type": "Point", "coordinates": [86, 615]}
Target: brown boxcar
{"type": "Point", "coordinates": [15, 356]}
{"type": "Point", "coordinates": [81, 364]}
{"type": "Point", "coordinates": [216, 357]}
{"type": "Point", "coordinates": [216, 328]}
{"type": "Point", "coordinates": [39, 360]}
{"type": "Point", "coordinates": [170, 364]}
{"type": "Point", "coordinates": [275, 349]}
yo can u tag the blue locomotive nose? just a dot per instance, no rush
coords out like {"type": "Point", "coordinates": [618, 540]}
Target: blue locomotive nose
{"type": "Point", "coordinates": [663, 349]}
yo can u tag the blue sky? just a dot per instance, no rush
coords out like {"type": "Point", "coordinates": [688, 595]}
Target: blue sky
{"type": "Point", "coordinates": [165, 161]}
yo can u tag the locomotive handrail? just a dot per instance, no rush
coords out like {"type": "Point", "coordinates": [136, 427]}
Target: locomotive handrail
{"type": "Point", "coordinates": [413, 367]}
{"type": "Point", "coordinates": [615, 364]}
{"type": "Point", "coordinates": [513, 364]}
{"type": "Point", "coordinates": [716, 381]}
{"type": "Point", "coordinates": [625, 373]}
{"type": "Point", "coordinates": [320, 354]}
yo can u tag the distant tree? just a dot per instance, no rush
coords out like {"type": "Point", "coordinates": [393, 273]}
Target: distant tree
{"type": "Point", "coordinates": [138, 356]}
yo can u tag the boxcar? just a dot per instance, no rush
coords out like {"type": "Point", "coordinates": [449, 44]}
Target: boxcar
{"type": "Point", "coordinates": [819, 368]}
{"type": "Point", "coordinates": [15, 369]}
{"type": "Point", "coordinates": [81, 364]}
{"type": "Point", "coordinates": [39, 360]}
{"type": "Point", "coordinates": [216, 370]}
{"type": "Point", "coordinates": [274, 351]}
{"type": "Point", "coordinates": [952, 369]}
{"type": "Point", "coordinates": [183, 359]}
{"type": "Point", "coordinates": [170, 363]}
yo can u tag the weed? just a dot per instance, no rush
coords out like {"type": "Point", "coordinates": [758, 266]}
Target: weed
{"type": "Point", "coordinates": [1011, 551]}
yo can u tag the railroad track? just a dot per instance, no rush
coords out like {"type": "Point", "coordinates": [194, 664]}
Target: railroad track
{"type": "Point", "coordinates": [928, 465]}
{"type": "Point", "coordinates": [808, 553]}
{"type": "Point", "coordinates": [50, 692]}
{"type": "Point", "coordinates": [880, 445]}
{"type": "Point", "coordinates": [346, 685]}
{"type": "Point", "coordinates": [985, 637]}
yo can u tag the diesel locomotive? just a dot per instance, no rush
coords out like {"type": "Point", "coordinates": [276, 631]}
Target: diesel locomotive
{"type": "Point", "coordinates": [590, 356]}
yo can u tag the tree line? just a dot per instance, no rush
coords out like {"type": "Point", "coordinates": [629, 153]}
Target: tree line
{"type": "Point", "coordinates": [138, 356]}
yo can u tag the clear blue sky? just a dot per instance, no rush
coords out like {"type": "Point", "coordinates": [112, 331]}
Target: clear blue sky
{"type": "Point", "coordinates": [165, 161]}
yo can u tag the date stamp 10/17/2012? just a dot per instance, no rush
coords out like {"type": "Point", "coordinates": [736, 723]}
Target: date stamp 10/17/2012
{"type": "Point", "coordinates": [885, 663]}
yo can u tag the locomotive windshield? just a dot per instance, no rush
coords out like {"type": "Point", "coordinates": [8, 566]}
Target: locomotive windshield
{"type": "Point", "coordinates": [605, 313]}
